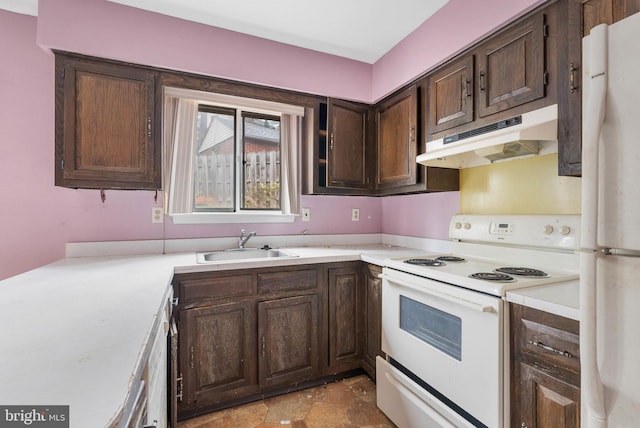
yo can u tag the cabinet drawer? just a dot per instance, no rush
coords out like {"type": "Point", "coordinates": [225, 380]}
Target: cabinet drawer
{"type": "Point", "coordinates": [274, 282]}
{"type": "Point", "coordinates": [215, 288]}
{"type": "Point", "coordinates": [552, 341]}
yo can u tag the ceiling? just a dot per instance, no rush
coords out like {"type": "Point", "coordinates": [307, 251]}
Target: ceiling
{"type": "Point", "coordinates": [363, 30]}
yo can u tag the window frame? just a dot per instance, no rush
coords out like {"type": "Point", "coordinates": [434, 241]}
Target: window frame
{"type": "Point", "coordinates": [269, 108]}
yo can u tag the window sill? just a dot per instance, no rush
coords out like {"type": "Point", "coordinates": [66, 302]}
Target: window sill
{"type": "Point", "coordinates": [251, 217]}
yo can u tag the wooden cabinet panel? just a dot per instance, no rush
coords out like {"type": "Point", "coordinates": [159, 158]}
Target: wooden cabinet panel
{"type": "Point", "coordinates": [105, 125]}
{"type": "Point", "coordinates": [211, 288]}
{"type": "Point", "coordinates": [451, 98]}
{"type": "Point", "coordinates": [344, 319]}
{"type": "Point", "coordinates": [397, 140]}
{"type": "Point", "coordinates": [511, 67]}
{"type": "Point", "coordinates": [547, 401]}
{"type": "Point", "coordinates": [288, 340]}
{"type": "Point", "coordinates": [347, 149]}
{"type": "Point", "coordinates": [218, 361]}
{"type": "Point", "coordinates": [288, 280]}
{"type": "Point", "coordinates": [580, 17]}
{"type": "Point", "coordinates": [372, 318]}
{"type": "Point", "coordinates": [545, 369]}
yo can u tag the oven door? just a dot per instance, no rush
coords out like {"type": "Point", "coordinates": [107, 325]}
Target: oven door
{"type": "Point", "coordinates": [450, 339]}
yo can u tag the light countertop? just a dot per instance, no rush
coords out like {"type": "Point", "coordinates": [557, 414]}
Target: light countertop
{"type": "Point", "coordinates": [561, 299]}
{"type": "Point", "coordinates": [75, 331]}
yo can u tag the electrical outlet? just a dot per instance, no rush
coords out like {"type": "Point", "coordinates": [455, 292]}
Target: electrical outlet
{"type": "Point", "coordinates": [306, 214]}
{"type": "Point", "coordinates": [157, 215]}
{"type": "Point", "coordinates": [355, 214]}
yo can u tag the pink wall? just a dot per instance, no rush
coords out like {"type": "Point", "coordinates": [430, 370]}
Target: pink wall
{"type": "Point", "coordinates": [419, 215]}
{"type": "Point", "coordinates": [37, 218]}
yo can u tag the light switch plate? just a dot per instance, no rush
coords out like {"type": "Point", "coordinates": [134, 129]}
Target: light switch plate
{"type": "Point", "coordinates": [306, 214]}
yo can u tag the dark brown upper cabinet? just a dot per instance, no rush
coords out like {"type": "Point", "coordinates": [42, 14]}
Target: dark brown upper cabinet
{"type": "Point", "coordinates": [347, 145]}
{"type": "Point", "coordinates": [105, 125]}
{"type": "Point", "coordinates": [451, 97]}
{"type": "Point", "coordinates": [580, 17]}
{"type": "Point", "coordinates": [397, 143]}
{"type": "Point", "coordinates": [511, 67]}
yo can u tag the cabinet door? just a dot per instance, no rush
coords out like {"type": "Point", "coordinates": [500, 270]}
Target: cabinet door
{"type": "Point", "coordinates": [373, 318]}
{"type": "Point", "coordinates": [217, 353]}
{"type": "Point", "coordinates": [347, 149]}
{"type": "Point", "coordinates": [397, 140]}
{"type": "Point", "coordinates": [105, 126]}
{"type": "Point", "coordinates": [344, 319]}
{"type": "Point", "coordinates": [547, 401]}
{"type": "Point", "coordinates": [511, 68]}
{"type": "Point", "coordinates": [580, 17]}
{"type": "Point", "coordinates": [451, 96]}
{"type": "Point", "coordinates": [288, 340]}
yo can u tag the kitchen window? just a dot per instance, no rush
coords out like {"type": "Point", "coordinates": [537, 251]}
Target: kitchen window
{"type": "Point", "coordinates": [230, 159]}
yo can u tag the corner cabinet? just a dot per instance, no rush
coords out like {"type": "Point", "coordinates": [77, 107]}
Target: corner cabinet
{"type": "Point", "coordinates": [545, 369]}
{"type": "Point", "coordinates": [399, 139]}
{"type": "Point", "coordinates": [105, 125]}
{"type": "Point", "coordinates": [341, 152]}
{"type": "Point", "coordinates": [580, 17]}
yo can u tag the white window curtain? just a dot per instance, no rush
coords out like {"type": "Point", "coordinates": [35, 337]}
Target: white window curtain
{"type": "Point", "coordinates": [290, 136]}
{"type": "Point", "coordinates": [181, 146]}
{"type": "Point", "coordinates": [180, 113]}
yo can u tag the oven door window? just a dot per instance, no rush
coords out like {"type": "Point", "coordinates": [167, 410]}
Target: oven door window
{"type": "Point", "coordinates": [439, 329]}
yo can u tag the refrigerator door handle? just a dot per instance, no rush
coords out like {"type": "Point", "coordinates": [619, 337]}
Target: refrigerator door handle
{"type": "Point", "coordinates": [595, 85]}
{"type": "Point", "coordinates": [591, 384]}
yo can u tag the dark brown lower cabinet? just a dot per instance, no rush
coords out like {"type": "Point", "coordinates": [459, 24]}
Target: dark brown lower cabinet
{"type": "Point", "coordinates": [545, 370]}
{"type": "Point", "coordinates": [288, 340]}
{"type": "Point", "coordinates": [546, 400]}
{"type": "Point", "coordinates": [344, 319]}
{"type": "Point", "coordinates": [372, 318]}
{"type": "Point", "coordinates": [247, 334]}
{"type": "Point", "coordinates": [218, 356]}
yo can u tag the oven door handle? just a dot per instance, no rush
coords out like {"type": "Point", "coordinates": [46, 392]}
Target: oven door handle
{"type": "Point", "coordinates": [445, 296]}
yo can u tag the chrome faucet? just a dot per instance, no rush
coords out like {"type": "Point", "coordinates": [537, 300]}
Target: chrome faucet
{"type": "Point", "coordinates": [243, 239]}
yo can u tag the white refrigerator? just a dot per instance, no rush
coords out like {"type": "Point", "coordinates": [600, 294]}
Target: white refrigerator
{"type": "Point", "coordinates": [610, 238]}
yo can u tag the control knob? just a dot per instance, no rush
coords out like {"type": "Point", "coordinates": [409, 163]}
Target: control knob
{"type": "Point", "coordinates": [548, 229]}
{"type": "Point", "coordinates": [565, 230]}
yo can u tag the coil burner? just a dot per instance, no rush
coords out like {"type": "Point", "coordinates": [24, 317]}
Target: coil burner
{"type": "Point", "coordinates": [492, 276]}
{"type": "Point", "coordinates": [425, 262]}
{"type": "Point", "coordinates": [523, 271]}
{"type": "Point", "coordinates": [451, 259]}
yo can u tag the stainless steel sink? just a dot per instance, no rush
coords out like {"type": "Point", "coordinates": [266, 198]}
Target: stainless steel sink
{"type": "Point", "coordinates": [241, 254]}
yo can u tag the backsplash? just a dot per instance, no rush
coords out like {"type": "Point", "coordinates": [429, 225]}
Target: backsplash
{"type": "Point", "coordinates": [522, 186]}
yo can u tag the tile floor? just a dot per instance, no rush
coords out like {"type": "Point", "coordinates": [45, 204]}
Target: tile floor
{"type": "Point", "coordinates": [348, 403]}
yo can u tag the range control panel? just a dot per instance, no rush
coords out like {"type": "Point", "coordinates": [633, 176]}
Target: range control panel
{"type": "Point", "coordinates": [554, 231]}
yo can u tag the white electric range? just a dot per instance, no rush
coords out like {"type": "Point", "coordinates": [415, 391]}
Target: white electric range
{"type": "Point", "coordinates": [445, 318]}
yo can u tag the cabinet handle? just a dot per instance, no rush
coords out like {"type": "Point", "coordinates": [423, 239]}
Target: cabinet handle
{"type": "Point", "coordinates": [524, 425]}
{"type": "Point", "coordinates": [192, 363]}
{"type": "Point", "coordinates": [481, 76]}
{"type": "Point", "coordinates": [412, 134]}
{"type": "Point", "coordinates": [468, 87]}
{"type": "Point", "coordinates": [263, 347]}
{"type": "Point", "coordinates": [331, 142]}
{"type": "Point", "coordinates": [572, 78]}
{"type": "Point", "coordinates": [149, 126]}
{"type": "Point", "coordinates": [550, 349]}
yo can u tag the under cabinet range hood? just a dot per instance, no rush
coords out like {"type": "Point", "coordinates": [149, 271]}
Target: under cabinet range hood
{"type": "Point", "coordinates": [529, 134]}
